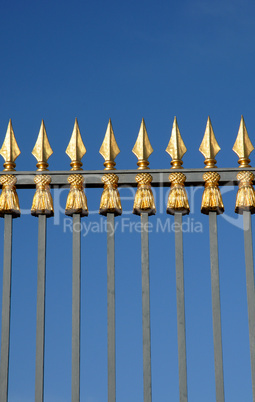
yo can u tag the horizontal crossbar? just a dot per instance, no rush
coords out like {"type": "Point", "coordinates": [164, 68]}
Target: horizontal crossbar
{"type": "Point", "coordinates": [194, 177]}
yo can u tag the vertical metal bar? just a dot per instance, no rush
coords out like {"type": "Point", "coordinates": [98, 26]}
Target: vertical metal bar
{"type": "Point", "coordinates": [111, 308]}
{"type": "Point", "coordinates": [6, 308]}
{"type": "Point", "coordinates": [40, 318]}
{"type": "Point", "coordinates": [180, 308]}
{"type": "Point", "coordinates": [215, 285]}
{"type": "Point", "coordinates": [146, 309]}
{"type": "Point", "coordinates": [76, 308]}
{"type": "Point", "coordinates": [250, 290]}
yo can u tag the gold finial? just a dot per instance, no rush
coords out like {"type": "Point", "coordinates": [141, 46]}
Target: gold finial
{"type": "Point", "coordinates": [243, 146]}
{"type": "Point", "coordinates": [142, 148]}
{"type": "Point", "coordinates": [176, 147]}
{"type": "Point", "coordinates": [10, 150]}
{"type": "Point", "coordinates": [42, 149]}
{"type": "Point", "coordinates": [209, 146]}
{"type": "Point", "coordinates": [76, 149]}
{"type": "Point", "coordinates": [109, 148]}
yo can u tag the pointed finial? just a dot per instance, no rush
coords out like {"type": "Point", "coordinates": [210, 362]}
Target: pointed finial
{"type": "Point", "coordinates": [42, 149]}
{"type": "Point", "coordinates": [243, 146]}
{"type": "Point", "coordinates": [76, 148]}
{"type": "Point", "coordinates": [109, 148]}
{"type": "Point", "coordinates": [176, 147]}
{"type": "Point", "coordinates": [142, 148]}
{"type": "Point", "coordinates": [10, 150]}
{"type": "Point", "coordinates": [209, 146]}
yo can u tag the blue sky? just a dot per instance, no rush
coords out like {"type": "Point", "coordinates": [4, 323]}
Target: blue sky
{"type": "Point", "coordinates": [127, 60]}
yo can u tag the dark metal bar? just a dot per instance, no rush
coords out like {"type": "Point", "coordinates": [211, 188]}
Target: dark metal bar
{"type": "Point", "coordinates": [146, 309]}
{"type": "Point", "coordinates": [40, 317]}
{"type": "Point", "coordinates": [215, 285]}
{"type": "Point", "coordinates": [249, 263]}
{"type": "Point", "coordinates": [194, 177]}
{"type": "Point", "coordinates": [111, 308]}
{"type": "Point", "coordinates": [6, 308]}
{"type": "Point", "coordinates": [76, 308]}
{"type": "Point", "coordinates": [180, 308]}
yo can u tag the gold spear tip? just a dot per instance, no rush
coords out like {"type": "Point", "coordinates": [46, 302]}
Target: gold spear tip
{"type": "Point", "coordinates": [142, 148]}
{"type": "Point", "coordinates": [243, 146]}
{"type": "Point", "coordinates": [76, 148]}
{"type": "Point", "coordinates": [42, 149]}
{"type": "Point", "coordinates": [10, 150]}
{"type": "Point", "coordinates": [209, 146]}
{"type": "Point", "coordinates": [109, 148]}
{"type": "Point", "coordinates": [176, 147]}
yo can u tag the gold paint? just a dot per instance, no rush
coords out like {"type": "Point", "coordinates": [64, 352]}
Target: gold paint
{"type": "Point", "coordinates": [243, 146]}
{"type": "Point", "coordinates": [177, 199]}
{"type": "Point", "coordinates": [176, 147]}
{"type": "Point", "coordinates": [76, 148]}
{"type": "Point", "coordinates": [142, 148]}
{"type": "Point", "coordinates": [42, 201]}
{"type": "Point", "coordinates": [42, 149]}
{"type": "Point", "coordinates": [245, 198]}
{"type": "Point", "coordinates": [109, 148]}
{"type": "Point", "coordinates": [9, 201]}
{"type": "Point", "coordinates": [209, 146]}
{"type": "Point", "coordinates": [144, 199]}
{"type": "Point", "coordinates": [211, 199]}
{"type": "Point", "coordinates": [110, 200]}
{"type": "Point", "coordinates": [10, 150]}
{"type": "Point", "coordinates": [76, 202]}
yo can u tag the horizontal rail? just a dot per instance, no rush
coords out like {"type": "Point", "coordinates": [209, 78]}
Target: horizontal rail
{"type": "Point", "coordinates": [194, 177]}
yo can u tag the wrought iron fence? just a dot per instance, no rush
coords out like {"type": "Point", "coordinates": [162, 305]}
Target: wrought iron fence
{"type": "Point", "coordinates": [76, 207]}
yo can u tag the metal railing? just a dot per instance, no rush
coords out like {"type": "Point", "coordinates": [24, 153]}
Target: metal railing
{"type": "Point", "coordinates": [76, 207]}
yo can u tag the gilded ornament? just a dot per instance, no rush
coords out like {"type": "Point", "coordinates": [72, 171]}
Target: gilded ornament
{"type": "Point", "coordinates": [209, 146]}
{"type": "Point", "coordinates": [109, 148]}
{"type": "Point", "coordinates": [9, 201]}
{"type": "Point", "coordinates": [10, 150]}
{"type": "Point", "coordinates": [144, 199]}
{"type": "Point", "coordinates": [76, 202]}
{"type": "Point", "coordinates": [211, 199]}
{"type": "Point", "coordinates": [76, 148]}
{"type": "Point", "coordinates": [42, 149]}
{"type": "Point", "coordinates": [245, 197]}
{"type": "Point", "coordinates": [176, 147]}
{"type": "Point", "coordinates": [142, 148]}
{"type": "Point", "coordinates": [42, 202]}
{"type": "Point", "coordinates": [177, 199]}
{"type": "Point", "coordinates": [110, 199]}
{"type": "Point", "coordinates": [243, 146]}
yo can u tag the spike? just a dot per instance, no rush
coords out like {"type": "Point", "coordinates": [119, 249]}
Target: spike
{"type": "Point", "coordinates": [42, 149]}
{"type": "Point", "coordinates": [109, 148]}
{"type": "Point", "coordinates": [10, 150]}
{"type": "Point", "coordinates": [243, 146]}
{"type": "Point", "coordinates": [142, 148]}
{"type": "Point", "coordinates": [209, 146]}
{"type": "Point", "coordinates": [76, 148]}
{"type": "Point", "coordinates": [176, 147]}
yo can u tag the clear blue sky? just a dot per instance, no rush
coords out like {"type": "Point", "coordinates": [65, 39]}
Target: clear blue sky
{"type": "Point", "coordinates": [127, 60]}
